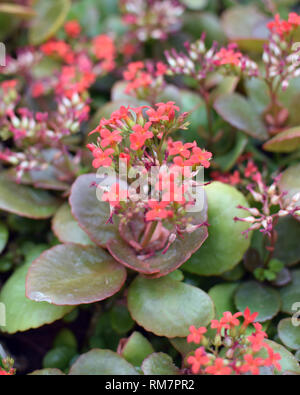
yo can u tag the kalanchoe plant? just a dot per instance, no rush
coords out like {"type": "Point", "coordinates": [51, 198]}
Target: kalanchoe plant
{"type": "Point", "coordinates": [116, 218]}
{"type": "Point", "coordinates": [153, 215]}
{"type": "Point", "coordinates": [38, 139]}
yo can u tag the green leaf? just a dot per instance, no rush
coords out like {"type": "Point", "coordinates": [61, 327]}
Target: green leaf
{"type": "Point", "coordinates": [285, 142]}
{"type": "Point", "coordinates": [195, 23]}
{"type": "Point", "coordinates": [72, 274]}
{"type": "Point", "coordinates": [195, 4]}
{"type": "Point", "coordinates": [290, 295]}
{"type": "Point", "coordinates": [223, 298]}
{"type": "Point", "coordinates": [101, 362]}
{"type": "Point", "coordinates": [120, 319]}
{"type": "Point", "coordinates": [290, 182]}
{"type": "Point", "coordinates": [289, 334]}
{"type": "Point", "coordinates": [136, 349]}
{"type": "Point", "coordinates": [92, 214]}
{"type": "Point", "coordinates": [50, 16]}
{"type": "Point", "coordinates": [159, 364]}
{"type": "Point", "coordinates": [246, 26]}
{"type": "Point", "coordinates": [23, 314]}
{"type": "Point", "coordinates": [276, 266]}
{"type": "Point", "coordinates": [288, 362]}
{"type": "Point", "coordinates": [3, 236]}
{"type": "Point", "coordinates": [226, 245]}
{"type": "Point", "coordinates": [25, 201]}
{"type": "Point", "coordinates": [240, 113]}
{"type": "Point", "coordinates": [167, 307]}
{"type": "Point", "coordinates": [287, 248]}
{"type": "Point", "coordinates": [67, 229]}
{"type": "Point", "coordinates": [8, 24]}
{"type": "Point", "coordinates": [162, 264]}
{"type": "Point", "coordinates": [259, 298]}
{"type": "Point", "coordinates": [228, 161]}
{"type": "Point", "coordinates": [59, 357]}
{"type": "Point", "coordinates": [47, 372]}
{"type": "Point", "coordinates": [182, 346]}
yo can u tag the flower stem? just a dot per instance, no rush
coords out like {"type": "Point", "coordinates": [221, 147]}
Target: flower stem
{"type": "Point", "coordinates": [148, 234]}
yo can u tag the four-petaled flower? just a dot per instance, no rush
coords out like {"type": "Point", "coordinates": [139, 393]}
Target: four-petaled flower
{"type": "Point", "coordinates": [110, 138]}
{"type": "Point", "coordinates": [248, 317]}
{"type": "Point", "coordinates": [219, 368]}
{"type": "Point", "coordinates": [158, 211]}
{"type": "Point", "coordinates": [178, 148]}
{"type": "Point", "coordinates": [102, 158]}
{"type": "Point", "coordinates": [201, 157]}
{"type": "Point", "coordinates": [231, 319]}
{"type": "Point", "coordinates": [252, 364]}
{"type": "Point", "coordinates": [196, 335]}
{"type": "Point", "coordinates": [198, 360]}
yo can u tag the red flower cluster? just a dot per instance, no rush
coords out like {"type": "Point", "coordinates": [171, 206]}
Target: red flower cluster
{"type": "Point", "coordinates": [73, 29]}
{"type": "Point", "coordinates": [104, 49]}
{"type": "Point", "coordinates": [200, 61]}
{"type": "Point", "coordinates": [242, 352]}
{"type": "Point", "coordinates": [230, 56]}
{"type": "Point", "coordinates": [140, 139]}
{"type": "Point", "coordinates": [5, 373]}
{"type": "Point", "coordinates": [60, 49]}
{"type": "Point", "coordinates": [144, 80]}
{"type": "Point", "coordinates": [82, 62]}
{"type": "Point", "coordinates": [282, 27]}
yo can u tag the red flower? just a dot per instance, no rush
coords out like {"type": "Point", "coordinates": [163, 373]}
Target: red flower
{"type": "Point", "coordinates": [4, 373]}
{"type": "Point", "coordinates": [178, 148]}
{"type": "Point", "coordinates": [104, 49]}
{"type": "Point", "coordinates": [125, 157]}
{"type": "Point", "coordinates": [228, 56]}
{"type": "Point", "coordinates": [218, 368]}
{"type": "Point", "coordinates": [132, 70]}
{"type": "Point", "coordinates": [115, 195]}
{"type": "Point", "coordinates": [235, 179]}
{"type": "Point", "coordinates": [215, 324]}
{"type": "Point", "coordinates": [140, 135]}
{"type": "Point", "coordinates": [249, 319]}
{"type": "Point", "coordinates": [250, 169]}
{"type": "Point", "coordinates": [37, 89]}
{"type": "Point", "coordinates": [7, 85]}
{"type": "Point", "coordinates": [252, 364]}
{"type": "Point", "coordinates": [280, 27]}
{"type": "Point", "coordinates": [110, 138]}
{"type": "Point", "coordinates": [73, 28]}
{"type": "Point", "coordinates": [180, 162]}
{"type": "Point", "coordinates": [58, 48]}
{"type": "Point", "coordinates": [257, 341]}
{"type": "Point", "coordinates": [164, 112]}
{"type": "Point", "coordinates": [231, 320]}
{"type": "Point", "coordinates": [143, 81]}
{"type": "Point", "coordinates": [161, 69]}
{"type": "Point", "coordinates": [199, 359]}
{"type": "Point", "coordinates": [201, 157]}
{"type": "Point", "coordinates": [196, 335]}
{"type": "Point", "coordinates": [273, 358]}
{"type": "Point", "coordinates": [158, 211]}
{"type": "Point", "coordinates": [102, 158]}
{"type": "Point", "coordinates": [294, 19]}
